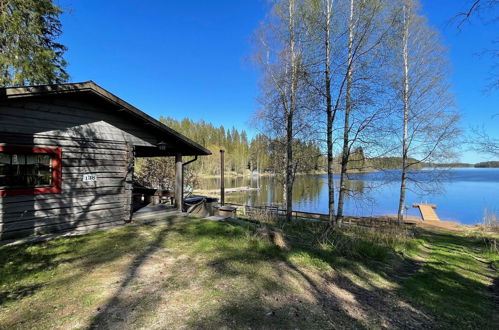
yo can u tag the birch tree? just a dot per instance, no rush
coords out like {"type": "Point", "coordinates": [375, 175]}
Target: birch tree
{"type": "Point", "coordinates": [330, 112]}
{"type": "Point", "coordinates": [429, 124]}
{"type": "Point", "coordinates": [405, 99]}
{"type": "Point", "coordinates": [345, 36]}
{"type": "Point", "coordinates": [360, 84]}
{"type": "Point", "coordinates": [348, 108]}
{"type": "Point", "coordinates": [319, 21]}
{"type": "Point", "coordinates": [285, 98]}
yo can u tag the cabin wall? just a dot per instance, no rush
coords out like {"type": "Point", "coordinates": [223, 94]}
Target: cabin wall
{"type": "Point", "coordinates": [93, 141]}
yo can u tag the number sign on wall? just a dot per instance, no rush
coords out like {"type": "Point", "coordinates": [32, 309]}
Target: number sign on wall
{"type": "Point", "coordinates": [89, 177]}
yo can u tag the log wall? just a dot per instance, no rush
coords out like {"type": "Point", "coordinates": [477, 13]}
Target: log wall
{"type": "Point", "coordinates": [93, 141]}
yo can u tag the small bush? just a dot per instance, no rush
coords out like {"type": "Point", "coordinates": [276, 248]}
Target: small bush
{"type": "Point", "coordinates": [490, 220]}
{"type": "Point", "coordinates": [267, 216]}
{"type": "Point", "coordinates": [490, 241]}
{"type": "Point", "coordinates": [487, 231]}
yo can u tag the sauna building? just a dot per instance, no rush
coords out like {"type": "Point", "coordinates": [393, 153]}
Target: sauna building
{"type": "Point", "coordinates": [67, 155]}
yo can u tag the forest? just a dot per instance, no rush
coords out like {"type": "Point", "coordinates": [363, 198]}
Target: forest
{"type": "Point", "coordinates": [260, 154]}
{"type": "Point", "coordinates": [488, 164]}
{"type": "Point", "coordinates": [243, 155]}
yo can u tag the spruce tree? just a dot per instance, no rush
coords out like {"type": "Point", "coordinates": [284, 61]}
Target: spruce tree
{"type": "Point", "coordinates": [29, 51]}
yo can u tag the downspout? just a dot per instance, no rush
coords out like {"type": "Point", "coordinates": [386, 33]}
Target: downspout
{"type": "Point", "coordinates": [191, 161]}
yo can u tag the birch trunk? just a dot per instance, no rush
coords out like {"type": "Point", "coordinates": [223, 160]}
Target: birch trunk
{"type": "Point", "coordinates": [290, 114]}
{"type": "Point", "coordinates": [329, 112]}
{"type": "Point", "coordinates": [405, 57]}
{"type": "Point", "coordinates": [348, 108]}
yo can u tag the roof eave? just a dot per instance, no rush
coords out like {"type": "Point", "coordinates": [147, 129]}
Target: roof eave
{"type": "Point", "coordinates": [90, 86]}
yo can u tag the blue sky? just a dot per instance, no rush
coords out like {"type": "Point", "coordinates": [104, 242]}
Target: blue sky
{"type": "Point", "coordinates": [192, 58]}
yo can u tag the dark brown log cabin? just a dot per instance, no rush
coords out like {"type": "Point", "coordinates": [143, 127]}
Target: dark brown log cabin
{"type": "Point", "coordinates": [67, 156]}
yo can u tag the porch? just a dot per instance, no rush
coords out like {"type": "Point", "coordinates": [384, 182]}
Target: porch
{"type": "Point", "coordinates": [160, 200]}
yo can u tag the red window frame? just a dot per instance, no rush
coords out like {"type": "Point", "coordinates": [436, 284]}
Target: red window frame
{"type": "Point", "coordinates": [55, 188]}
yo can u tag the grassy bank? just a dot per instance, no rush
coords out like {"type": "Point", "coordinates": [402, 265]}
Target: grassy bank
{"type": "Point", "coordinates": [458, 280]}
{"type": "Point", "coordinates": [199, 274]}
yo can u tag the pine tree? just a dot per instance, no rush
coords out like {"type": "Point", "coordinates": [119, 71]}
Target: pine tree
{"type": "Point", "coordinates": [29, 52]}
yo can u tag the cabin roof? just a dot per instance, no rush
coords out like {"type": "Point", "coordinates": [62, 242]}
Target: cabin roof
{"type": "Point", "coordinates": [181, 144]}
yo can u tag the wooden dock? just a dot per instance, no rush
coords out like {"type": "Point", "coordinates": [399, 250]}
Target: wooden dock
{"type": "Point", "coordinates": [427, 211]}
{"type": "Point", "coordinates": [227, 190]}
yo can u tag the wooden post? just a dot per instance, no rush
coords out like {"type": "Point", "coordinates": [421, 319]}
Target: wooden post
{"type": "Point", "coordinates": [179, 182]}
{"type": "Point", "coordinates": [222, 183]}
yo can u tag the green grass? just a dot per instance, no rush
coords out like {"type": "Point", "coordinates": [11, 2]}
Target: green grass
{"type": "Point", "coordinates": [217, 275]}
{"type": "Point", "coordinates": [454, 282]}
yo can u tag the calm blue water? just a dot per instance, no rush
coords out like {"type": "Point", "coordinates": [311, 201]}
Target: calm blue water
{"type": "Point", "coordinates": [460, 194]}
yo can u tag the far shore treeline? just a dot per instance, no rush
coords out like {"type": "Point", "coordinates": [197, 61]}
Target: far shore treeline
{"type": "Point", "coordinates": [243, 155]}
{"type": "Point", "coordinates": [259, 155]}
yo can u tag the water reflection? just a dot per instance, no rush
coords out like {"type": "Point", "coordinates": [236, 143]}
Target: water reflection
{"type": "Point", "coordinates": [355, 187]}
{"type": "Point", "coordinates": [270, 189]}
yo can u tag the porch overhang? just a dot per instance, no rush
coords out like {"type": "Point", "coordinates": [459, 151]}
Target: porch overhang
{"type": "Point", "coordinates": [141, 151]}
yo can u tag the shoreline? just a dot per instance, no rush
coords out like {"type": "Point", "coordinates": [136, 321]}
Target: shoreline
{"type": "Point", "coordinates": [239, 175]}
{"type": "Point", "coordinates": [366, 170]}
{"type": "Point", "coordinates": [418, 221]}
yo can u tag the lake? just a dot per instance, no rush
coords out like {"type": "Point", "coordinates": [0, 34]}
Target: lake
{"type": "Point", "coordinates": [461, 194]}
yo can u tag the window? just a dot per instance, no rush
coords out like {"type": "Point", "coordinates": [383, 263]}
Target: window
{"type": "Point", "coordinates": [29, 170]}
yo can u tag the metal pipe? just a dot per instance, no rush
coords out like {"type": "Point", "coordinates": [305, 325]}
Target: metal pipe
{"type": "Point", "coordinates": [192, 160]}
{"type": "Point", "coordinates": [222, 183]}
{"type": "Point", "coordinates": [179, 182]}
{"type": "Point", "coordinates": [180, 207]}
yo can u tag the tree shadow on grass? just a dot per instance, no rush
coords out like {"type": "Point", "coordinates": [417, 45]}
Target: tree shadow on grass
{"type": "Point", "coordinates": [272, 290]}
{"type": "Point", "coordinates": [456, 301]}
{"type": "Point", "coordinates": [355, 307]}
{"type": "Point", "coordinates": [257, 312]}
{"type": "Point", "coordinates": [449, 292]}
{"type": "Point", "coordinates": [18, 293]}
{"type": "Point", "coordinates": [33, 262]}
{"type": "Point", "coordinates": [452, 283]}
{"type": "Point", "coordinates": [252, 308]}
{"type": "Point", "coordinates": [368, 303]}
{"type": "Point", "coordinates": [269, 302]}
{"type": "Point", "coordinates": [452, 241]}
{"type": "Point", "coordinates": [114, 310]}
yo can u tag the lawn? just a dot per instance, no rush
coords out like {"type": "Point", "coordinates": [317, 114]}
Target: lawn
{"type": "Point", "coordinates": [200, 274]}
